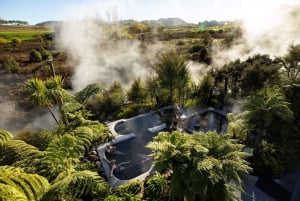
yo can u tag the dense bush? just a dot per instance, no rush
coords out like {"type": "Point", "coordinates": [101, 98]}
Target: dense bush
{"type": "Point", "coordinates": [16, 40]}
{"type": "Point", "coordinates": [40, 138]}
{"type": "Point", "coordinates": [133, 110]}
{"type": "Point", "coordinates": [156, 188]}
{"type": "Point", "coordinates": [9, 63]}
{"type": "Point", "coordinates": [35, 56]}
{"type": "Point", "coordinates": [3, 41]}
{"type": "Point", "coordinates": [45, 53]}
{"type": "Point", "coordinates": [133, 188]}
{"type": "Point", "coordinates": [138, 28]}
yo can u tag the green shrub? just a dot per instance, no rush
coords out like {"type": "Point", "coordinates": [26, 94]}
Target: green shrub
{"type": "Point", "coordinates": [35, 56]}
{"type": "Point", "coordinates": [112, 198]}
{"type": "Point", "coordinates": [3, 41]}
{"type": "Point", "coordinates": [156, 188]}
{"type": "Point", "coordinates": [45, 53]}
{"type": "Point", "coordinates": [40, 138]}
{"type": "Point", "coordinates": [132, 188]}
{"type": "Point", "coordinates": [132, 110]}
{"type": "Point", "coordinates": [9, 63]}
{"type": "Point", "coordinates": [16, 40]}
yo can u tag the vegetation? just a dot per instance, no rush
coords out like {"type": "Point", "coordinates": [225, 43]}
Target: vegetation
{"type": "Point", "coordinates": [53, 164]}
{"type": "Point", "coordinates": [9, 64]}
{"type": "Point", "coordinates": [200, 165]}
{"type": "Point", "coordinates": [10, 36]}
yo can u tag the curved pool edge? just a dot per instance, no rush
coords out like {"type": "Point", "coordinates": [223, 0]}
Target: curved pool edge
{"type": "Point", "coordinates": [113, 180]}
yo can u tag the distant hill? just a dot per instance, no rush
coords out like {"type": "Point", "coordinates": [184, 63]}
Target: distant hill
{"type": "Point", "coordinates": [172, 22]}
{"type": "Point", "coordinates": [214, 23]}
{"type": "Point", "coordinates": [162, 22]}
{"type": "Point", "coordinates": [47, 23]}
{"type": "Point", "coordinates": [153, 23]}
{"type": "Point", "coordinates": [168, 22]}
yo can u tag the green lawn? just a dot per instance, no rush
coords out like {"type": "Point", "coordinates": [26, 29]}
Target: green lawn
{"type": "Point", "coordinates": [21, 35]}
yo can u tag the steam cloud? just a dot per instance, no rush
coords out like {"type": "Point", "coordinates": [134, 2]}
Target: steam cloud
{"type": "Point", "coordinates": [99, 56]}
{"type": "Point", "coordinates": [271, 34]}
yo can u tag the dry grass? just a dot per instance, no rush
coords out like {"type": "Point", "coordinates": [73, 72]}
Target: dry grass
{"type": "Point", "coordinates": [6, 28]}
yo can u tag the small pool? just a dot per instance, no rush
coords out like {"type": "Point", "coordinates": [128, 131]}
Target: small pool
{"type": "Point", "coordinates": [132, 157]}
{"type": "Point", "coordinates": [132, 135]}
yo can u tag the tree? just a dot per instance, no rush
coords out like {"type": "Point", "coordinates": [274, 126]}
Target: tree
{"type": "Point", "coordinates": [137, 92]}
{"type": "Point", "coordinates": [88, 92]}
{"type": "Point", "coordinates": [271, 121]}
{"type": "Point", "coordinates": [39, 94]}
{"type": "Point", "coordinates": [291, 62]}
{"type": "Point", "coordinates": [201, 166]}
{"type": "Point", "coordinates": [259, 71]}
{"type": "Point", "coordinates": [48, 93]}
{"type": "Point", "coordinates": [107, 102]}
{"type": "Point", "coordinates": [269, 111]}
{"type": "Point", "coordinates": [172, 74]}
{"type": "Point", "coordinates": [206, 89]}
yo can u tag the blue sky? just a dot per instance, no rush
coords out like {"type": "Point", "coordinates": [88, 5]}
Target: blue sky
{"type": "Point", "coordinates": [35, 11]}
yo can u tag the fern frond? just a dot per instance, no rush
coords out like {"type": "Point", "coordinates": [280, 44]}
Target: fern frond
{"type": "Point", "coordinates": [79, 184]}
{"type": "Point", "coordinates": [9, 193]}
{"type": "Point", "coordinates": [5, 136]}
{"type": "Point", "coordinates": [32, 186]}
{"type": "Point", "coordinates": [70, 107]}
{"type": "Point", "coordinates": [89, 91]}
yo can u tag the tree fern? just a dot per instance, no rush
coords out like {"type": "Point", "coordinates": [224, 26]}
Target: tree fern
{"type": "Point", "coordinates": [61, 154]}
{"type": "Point", "coordinates": [85, 136]}
{"type": "Point", "coordinates": [201, 164]}
{"type": "Point", "coordinates": [89, 91]}
{"type": "Point", "coordinates": [29, 186]}
{"type": "Point", "coordinates": [78, 185]}
{"type": "Point", "coordinates": [70, 107]}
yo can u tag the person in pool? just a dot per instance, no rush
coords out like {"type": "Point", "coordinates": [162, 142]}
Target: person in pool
{"type": "Point", "coordinates": [114, 167]}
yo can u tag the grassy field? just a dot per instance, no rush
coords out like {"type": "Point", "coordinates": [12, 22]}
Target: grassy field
{"type": "Point", "coordinates": [22, 32]}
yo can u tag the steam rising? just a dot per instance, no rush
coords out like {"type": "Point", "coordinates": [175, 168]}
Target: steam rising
{"type": "Point", "coordinates": [271, 34]}
{"type": "Point", "coordinates": [103, 53]}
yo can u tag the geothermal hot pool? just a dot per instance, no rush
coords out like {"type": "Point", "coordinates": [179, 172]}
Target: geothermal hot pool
{"type": "Point", "coordinates": [132, 135]}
